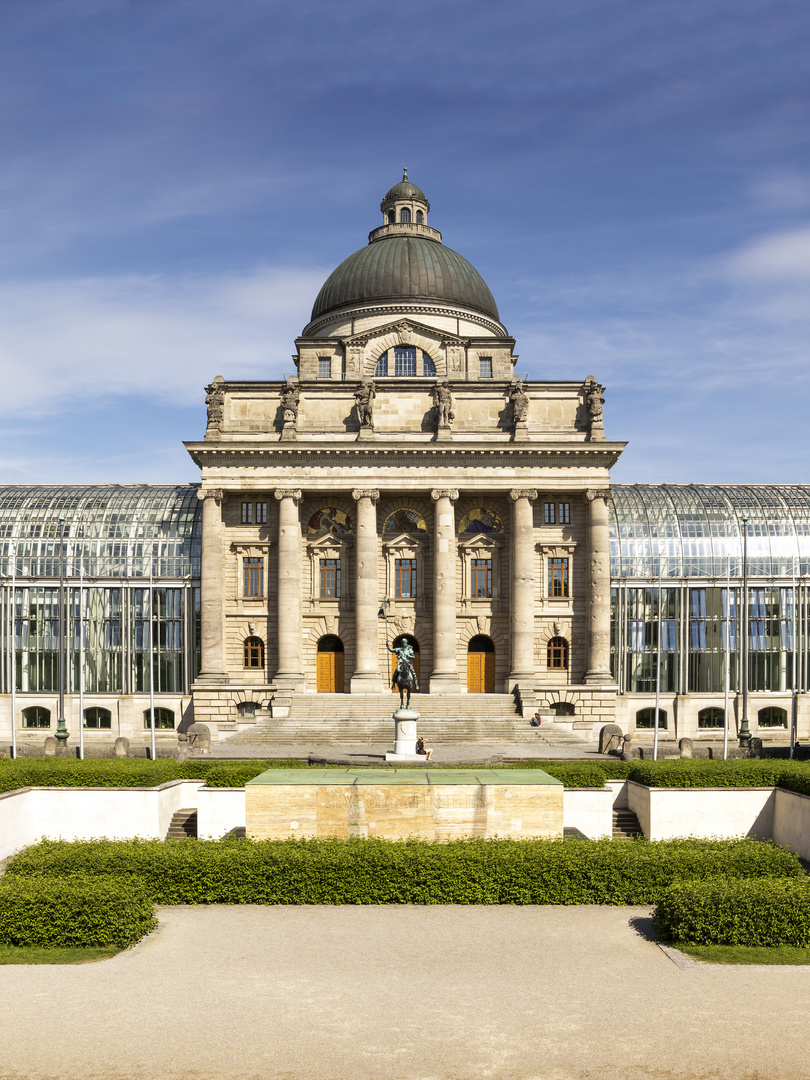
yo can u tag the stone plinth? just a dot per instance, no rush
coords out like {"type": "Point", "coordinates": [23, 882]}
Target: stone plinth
{"type": "Point", "coordinates": [398, 803]}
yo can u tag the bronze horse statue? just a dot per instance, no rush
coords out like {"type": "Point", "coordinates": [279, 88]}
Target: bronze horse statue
{"type": "Point", "coordinates": [404, 677]}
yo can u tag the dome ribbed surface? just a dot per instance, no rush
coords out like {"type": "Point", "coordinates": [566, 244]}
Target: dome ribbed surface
{"type": "Point", "coordinates": [405, 268]}
{"type": "Point", "coordinates": [405, 190]}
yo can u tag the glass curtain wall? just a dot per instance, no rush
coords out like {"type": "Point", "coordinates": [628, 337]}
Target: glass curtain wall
{"type": "Point", "coordinates": [693, 538]}
{"type": "Point", "coordinates": [114, 538]}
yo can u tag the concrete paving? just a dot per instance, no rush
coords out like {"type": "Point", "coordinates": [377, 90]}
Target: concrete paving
{"type": "Point", "coordinates": [402, 993]}
{"type": "Point", "coordinates": [449, 754]}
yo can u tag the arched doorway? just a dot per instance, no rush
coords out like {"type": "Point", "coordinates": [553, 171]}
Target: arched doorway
{"type": "Point", "coordinates": [481, 665]}
{"type": "Point", "coordinates": [414, 644]}
{"type": "Point", "coordinates": [330, 672]}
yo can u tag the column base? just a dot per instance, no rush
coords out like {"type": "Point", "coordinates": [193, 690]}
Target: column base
{"type": "Point", "coordinates": [212, 677]}
{"type": "Point", "coordinates": [526, 679]}
{"type": "Point", "coordinates": [290, 680]}
{"type": "Point", "coordinates": [366, 682]}
{"type": "Point", "coordinates": [445, 683]}
{"type": "Point", "coordinates": [604, 678]}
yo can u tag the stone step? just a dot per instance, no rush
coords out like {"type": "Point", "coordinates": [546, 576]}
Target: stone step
{"type": "Point", "coordinates": [625, 825]}
{"type": "Point", "coordinates": [183, 825]}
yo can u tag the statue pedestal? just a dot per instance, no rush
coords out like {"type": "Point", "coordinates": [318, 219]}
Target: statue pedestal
{"type": "Point", "coordinates": [405, 738]}
{"type": "Point", "coordinates": [444, 433]}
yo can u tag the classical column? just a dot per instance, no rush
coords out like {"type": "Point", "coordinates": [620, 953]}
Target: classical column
{"type": "Point", "coordinates": [522, 599]}
{"type": "Point", "coordinates": [598, 670]}
{"type": "Point", "coordinates": [366, 678]}
{"type": "Point", "coordinates": [290, 671]}
{"type": "Point", "coordinates": [444, 678]}
{"type": "Point", "coordinates": [212, 620]}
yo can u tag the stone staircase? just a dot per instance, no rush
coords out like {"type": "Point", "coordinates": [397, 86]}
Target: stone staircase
{"type": "Point", "coordinates": [183, 825]}
{"type": "Point", "coordinates": [625, 825]}
{"type": "Point", "coordinates": [486, 719]}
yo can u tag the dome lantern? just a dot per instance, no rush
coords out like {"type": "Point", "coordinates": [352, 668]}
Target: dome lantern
{"type": "Point", "coordinates": [405, 204]}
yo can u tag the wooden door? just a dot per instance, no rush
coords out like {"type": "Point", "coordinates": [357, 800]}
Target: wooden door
{"type": "Point", "coordinates": [481, 673]}
{"type": "Point", "coordinates": [330, 673]}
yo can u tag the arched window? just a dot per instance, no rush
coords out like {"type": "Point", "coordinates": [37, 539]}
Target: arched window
{"type": "Point", "coordinates": [420, 217]}
{"type": "Point", "coordinates": [405, 362]}
{"type": "Point", "coordinates": [164, 718]}
{"type": "Point", "coordinates": [772, 716]}
{"type": "Point", "coordinates": [392, 217]}
{"type": "Point", "coordinates": [645, 718]}
{"type": "Point", "coordinates": [563, 708]}
{"type": "Point", "coordinates": [405, 215]}
{"type": "Point", "coordinates": [711, 718]}
{"type": "Point", "coordinates": [254, 652]}
{"type": "Point", "coordinates": [381, 369]}
{"type": "Point", "coordinates": [97, 718]}
{"type": "Point", "coordinates": [36, 716]}
{"type": "Point", "coordinates": [428, 367]}
{"type": "Point", "coordinates": [557, 653]}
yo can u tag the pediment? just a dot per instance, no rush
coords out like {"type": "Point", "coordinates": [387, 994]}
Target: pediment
{"type": "Point", "coordinates": [481, 542]}
{"type": "Point", "coordinates": [328, 540]}
{"type": "Point", "coordinates": [404, 330]}
{"type": "Point", "coordinates": [405, 540]}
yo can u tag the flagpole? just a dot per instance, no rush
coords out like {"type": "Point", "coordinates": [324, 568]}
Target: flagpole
{"type": "Point", "coordinates": [81, 657]}
{"type": "Point", "coordinates": [13, 650]}
{"type": "Point", "coordinates": [151, 660]}
{"type": "Point", "coordinates": [727, 660]}
{"type": "Point", "coordinates": [657, 667]}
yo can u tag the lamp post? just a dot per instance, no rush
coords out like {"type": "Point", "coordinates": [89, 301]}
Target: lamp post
{"type": "Point", "coordinates": [745, 731]}
{"type": "Point", "coordinates": [62, 733]}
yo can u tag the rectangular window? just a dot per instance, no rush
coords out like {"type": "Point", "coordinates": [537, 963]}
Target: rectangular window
{"type": "Point", "coordinates": [484, 367]}
{"type": "Point", "coordinates": [549, 513]}
{"type": "Point", "coordinates": [253, 577]}
{"type": "Point", "coordinates": [558, 577]}
{"type": "Point", "coordinates": [324, 367]}
{"type": "Point", "coordinates": [405, 362]}
{"type": "Point", "coordinates": [251, 513]}
{"type": "Point", "coordinates": [247, 513]}
{"type": "Point", "coordinates": [261, 513]}
{"type": "Point", "coordinates": [481, 577]}
{"type": "Point", "coordinates": [405, 578]}
{"type": "Point", "coordinates": [564, 514]}
{"type": "Point", "coordinates": [330, 578]}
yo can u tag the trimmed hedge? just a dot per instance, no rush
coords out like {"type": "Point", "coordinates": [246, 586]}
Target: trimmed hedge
{"type": "Point", "coordinates": [74, 911]}
{"type": "Point", "coordinates": [127, 772]}
{"type": "Point", "coordinates": [691, 772]}
{"type": "Point", "coordinates": [404, 872]}
{"type": "Point", "coordinates": [764, 912]}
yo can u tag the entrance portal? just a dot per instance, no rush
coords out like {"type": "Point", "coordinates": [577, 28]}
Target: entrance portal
{"type": "Point", "coordinates": [331, 677]}
{"type": "Point", "coordinates": [481, 665]}
{"type": "Point", "coordinates": [414, 644]}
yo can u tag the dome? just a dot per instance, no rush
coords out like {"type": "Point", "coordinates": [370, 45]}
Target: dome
{"type": "Point", "coordinates": [404, 190]}
{"type": "Point", "coordinates": [405, 267]}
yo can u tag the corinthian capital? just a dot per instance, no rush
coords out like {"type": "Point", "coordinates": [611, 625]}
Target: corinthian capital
{"type": "Point", "coordinates": [365, 493]}
{"type": "Point", "coordinates": [444, 493]}
{"type": "Point", "coordinates": [598, 493]}
{"type": "Point", "coordinates": [288, 493]}
{"type": "Point", "coordinates": [217, 494]}
{"type": "Point", "coordinates": [523, 493]}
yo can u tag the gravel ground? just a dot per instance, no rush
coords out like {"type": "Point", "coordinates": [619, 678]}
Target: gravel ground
{"type": "Point", "coordinates": [402, 993]}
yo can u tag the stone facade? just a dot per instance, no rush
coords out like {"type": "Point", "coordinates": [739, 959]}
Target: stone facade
{"type": "Point", "coordinates": [406, 456]}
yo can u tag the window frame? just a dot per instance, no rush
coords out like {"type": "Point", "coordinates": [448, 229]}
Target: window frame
{"type": "Point", "coordinates": [558, 653]}
{"type": "Point", "coordinates": [251, 563]}
{"type": "Point", "coordinates": [411, 571]}
{"type": "Point", "coordinates": [485, 367]}
{"type": "Point", "coordinates": [324, 362]}
{"type": "Point", "coordinates": [480, 566]}
{"type": "Point", "coordinates": [323, 577]}
{"type": "Point", "coordinates": [559, 586]}
{"type": "Point", "coordinates": [253, 653]}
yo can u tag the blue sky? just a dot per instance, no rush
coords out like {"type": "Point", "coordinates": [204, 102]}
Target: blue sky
{"type": "Point", "coordinates": [178, 177]}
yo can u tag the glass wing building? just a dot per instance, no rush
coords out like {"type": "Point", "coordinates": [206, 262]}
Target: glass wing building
{"type": "Point", "coordinates": [100, 594]}
{"type": "Point", "coordinates": [677, 569]}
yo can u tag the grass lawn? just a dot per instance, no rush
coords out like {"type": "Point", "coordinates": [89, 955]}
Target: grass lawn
{"type": "Point", "coordinates": [34, 954]}
{"type": "Point", "coordinates": [746, 954]}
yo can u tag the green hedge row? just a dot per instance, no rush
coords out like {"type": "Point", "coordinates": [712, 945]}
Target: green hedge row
{"type": "Point", "coordinates": [74, 911]}
{"type": "Point", "coordinates": [736, 912]}
{"type": "Point", "coordinates": [691, 772]}
{"type": "Point", "coordinates": [407, 872]}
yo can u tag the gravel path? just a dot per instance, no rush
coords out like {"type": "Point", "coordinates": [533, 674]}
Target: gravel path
{"type": "Point", "coordinates": [402, 993]}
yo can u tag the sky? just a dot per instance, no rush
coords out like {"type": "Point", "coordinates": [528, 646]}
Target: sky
{"type": "Point", "coordinates": [178, 178]}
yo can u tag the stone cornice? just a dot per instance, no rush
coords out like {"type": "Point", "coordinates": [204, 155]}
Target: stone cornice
{"type": "Point", "coordinates": [601, 455]}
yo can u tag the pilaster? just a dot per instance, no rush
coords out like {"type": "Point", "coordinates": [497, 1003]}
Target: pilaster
{"type": "Point", "coordinates": [367, 678]}
{"type": "Point", "coordinates": [522, 599]}
{"type": "Point", "coordinates": [444, 677]}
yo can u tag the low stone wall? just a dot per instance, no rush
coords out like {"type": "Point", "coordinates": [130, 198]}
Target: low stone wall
{"type": "Point", "coordinates": [666, 813]}
{"type": "Point", "coordinates": [85, 813]}
{"type": "Point", "coordinates": [219, 810]}
{"type": "Point", "coordinates": [399, 811]}
{"type": "Point", "coordinates": [590, 810]}
{"type": "Point", "coordinates": [791, 822]}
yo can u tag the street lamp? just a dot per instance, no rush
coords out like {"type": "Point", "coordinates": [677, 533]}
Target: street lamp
{"type": "Point", "coordinates": [745, 731]}
{"type": "Point", "coordinates": [62, 733]}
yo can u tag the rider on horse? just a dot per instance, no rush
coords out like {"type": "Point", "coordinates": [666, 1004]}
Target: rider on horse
{"type": "Point", "coordinates": [404, 677]}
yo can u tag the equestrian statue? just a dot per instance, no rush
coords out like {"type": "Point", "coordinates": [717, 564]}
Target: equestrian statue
{"type": "Point", "coordinates": [404, 677]}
